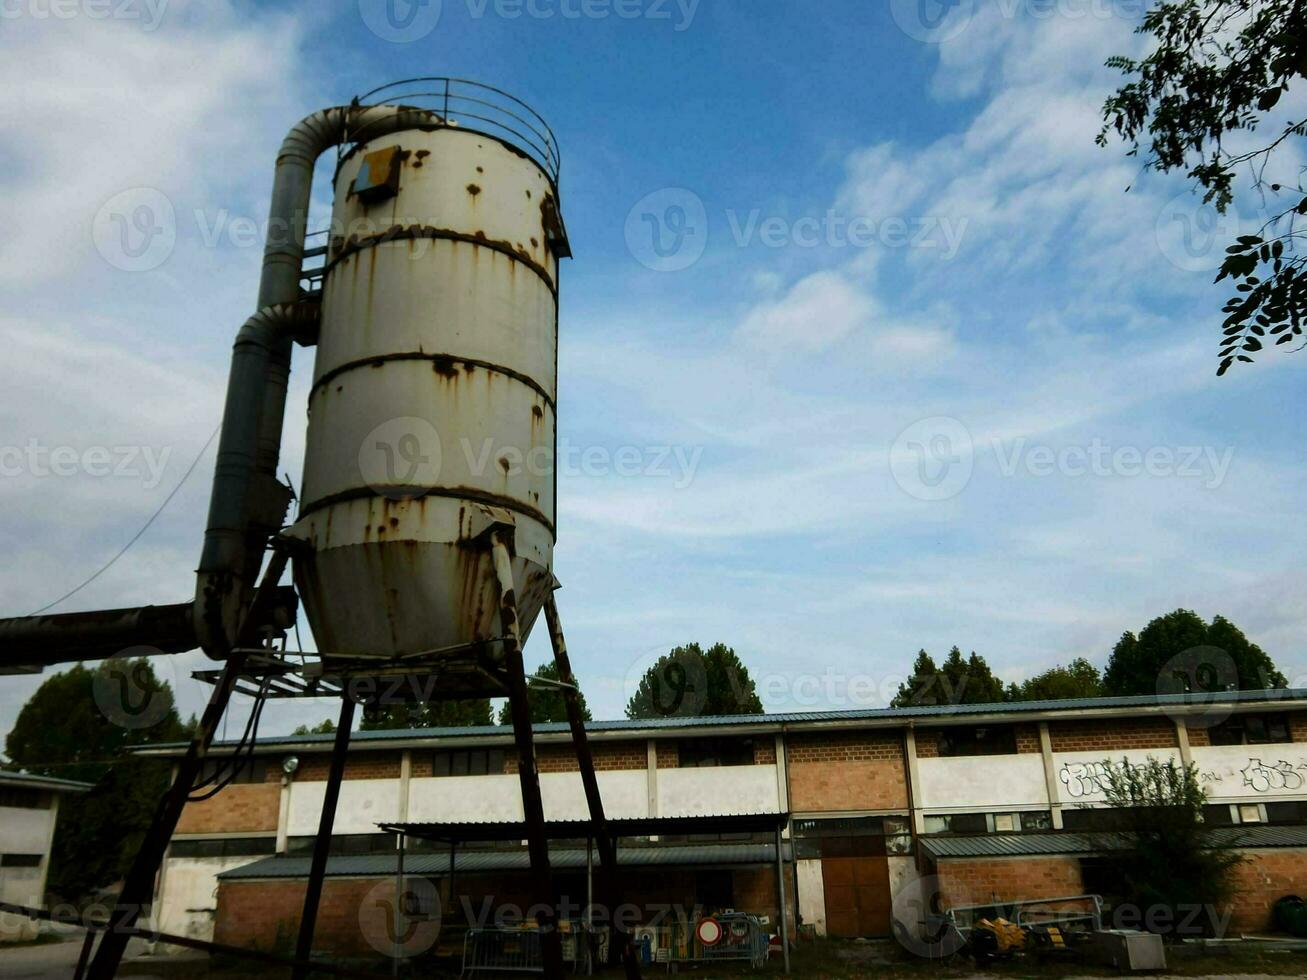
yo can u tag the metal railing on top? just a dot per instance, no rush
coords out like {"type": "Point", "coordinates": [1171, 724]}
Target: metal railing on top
{"type": "Point", "coordinates": [483, 107]}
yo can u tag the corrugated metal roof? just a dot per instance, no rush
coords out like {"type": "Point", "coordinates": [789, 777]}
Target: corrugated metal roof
{"type": "Point", "coordinates": [1007, 845]}
{"type": "Point", "coordinates": [501, 830]}
{"type": "Point", "coordinates": [1032, 845]}
{"type": "Point", "coordinates": [42, 782]}
{"type": "Point", "coordinates": [776, 721]}
{"type": "Point", "coordinates": [469, 862]}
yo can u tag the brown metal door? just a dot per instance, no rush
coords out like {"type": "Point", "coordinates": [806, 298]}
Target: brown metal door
{"type": "Point", "coordinates": [857, 896]}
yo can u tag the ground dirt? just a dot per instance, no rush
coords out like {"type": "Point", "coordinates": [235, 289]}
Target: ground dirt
{"type": "Point", "coordinates": [822, 960]}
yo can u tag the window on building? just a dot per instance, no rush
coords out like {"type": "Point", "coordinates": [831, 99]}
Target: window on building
{"type": "Point", "coordinates": [1090, 819]}
{"type": "Point", "coordinates": [989, 823]}
{"type": "Point", "coordinates": [20, 860]}
{"type": "Point", "coordinates": [219, 770]}
{"type": "Point", "coordinates": [957, 823]}
{"type": "Point", "coordinates": [1036, 820]}
{"type": "Point", "coordinates": [346, 844]}
{"type": "Point", "coordinates": [221, 847]}
{"type": "Point", "coordinates": [705, 752]}
{"type": "Point", "coordinates": [1251, 813]}
{"type": "Point", "coordinates": [22, 798]}
{"type": "Point", "coordinates": [850, 826]}
{"type": "Point", "coordinates": [987, 740]}
{"type": "Point", "coordinates": [1292, 811]}
{"type": "Point", "coordinates": [468, 762]}
{"type": "Point", "coordinates": [1218, 815]}
{"type": "Point", "coordinates": [1251, 730]}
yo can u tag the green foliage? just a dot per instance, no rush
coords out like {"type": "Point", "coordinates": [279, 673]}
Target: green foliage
{"type": "Point", "coordinates": [324, 727]}
{"type": "Point", "coordinates": [1179, 651]}
{"type": "Point", "coordinates": [1078, 679]}
{"type": "Point", "coordinates": [1157, 847]}
{"type": "Point", "coordinates": [688, 682]}
{"type": "Point", "coordinates": [74, 727]}
{"type": "Point", "coordinates": [547, 702]}
{"type": "Point", "coordinates": [957, 681]}
{"type": "Point", "coordinates": [1215, 70]}
{"type": "Point", "coordinates": [434, 714]}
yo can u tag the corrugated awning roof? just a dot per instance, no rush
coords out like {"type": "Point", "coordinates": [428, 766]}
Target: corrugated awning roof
{"type": "Point", "coordinates": [33, 781]}
{"type": "Point", "coordinates": [472, 862]}
{"type": "Point", "coordinates": [500, 830]}
{"type": "Point", "coordinates": [776, 722]}
{"type": "Point", "coordinates": [1032, 845]}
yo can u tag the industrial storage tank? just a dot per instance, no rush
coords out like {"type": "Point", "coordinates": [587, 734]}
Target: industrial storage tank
{"type": "Point", "coordinates": [432, 411]}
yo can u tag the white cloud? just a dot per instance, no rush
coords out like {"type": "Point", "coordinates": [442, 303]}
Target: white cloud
{"type": "Point", "coordinates": [817, 312]}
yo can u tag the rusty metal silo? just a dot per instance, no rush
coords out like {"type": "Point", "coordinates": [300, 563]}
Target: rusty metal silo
{"type": "Point", "coordinates": [431, 417]}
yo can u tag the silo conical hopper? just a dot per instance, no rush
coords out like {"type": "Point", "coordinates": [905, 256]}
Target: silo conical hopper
{"type": "Point", "coordinates": [431, 416]}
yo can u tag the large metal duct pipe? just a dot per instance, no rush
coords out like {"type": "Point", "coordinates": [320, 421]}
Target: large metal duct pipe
{"type": "Point", "coordinates": [248, 502]}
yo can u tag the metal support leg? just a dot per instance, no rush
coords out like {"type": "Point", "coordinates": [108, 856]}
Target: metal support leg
{"type": "Point", "coordinates": [85, 956]}
{"type": "Point", "coordinates": [322, 845]}
{"type": "Point", "coordinates": [399, 907]}
{"type": "Point", "coordinates": [138, 886]}
{"type": "Point", "coordinates": [590, 782]}
{"type": "Point", "coordinates": [780, 900]}
{"type": "Point", "coordinates": [533, 807]}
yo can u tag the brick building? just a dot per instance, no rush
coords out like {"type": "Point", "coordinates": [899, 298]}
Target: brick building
{"type": "Point", "coordinates": [987, 802]}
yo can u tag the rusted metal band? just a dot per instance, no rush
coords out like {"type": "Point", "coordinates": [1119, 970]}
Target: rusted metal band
{"type": "Point", "coordinates": [417, 493]}
{"type": "Point", "coordinates": [399, 233]}
{"type": "Point", "coordinates": [443, 363]}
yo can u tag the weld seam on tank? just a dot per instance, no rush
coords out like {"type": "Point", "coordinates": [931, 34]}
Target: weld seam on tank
{"type": "Point", "coordinates": [355, 246]}
{"type": "Point", "coordinates": [406, 492]}
{"type": "Point", "coordinates": [378, 359]}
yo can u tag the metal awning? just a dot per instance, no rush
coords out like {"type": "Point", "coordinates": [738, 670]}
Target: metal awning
{"type": "Point", "coordinates": [1033, 845]}
{"type": "Point", "coordinates": [476, 862]}
{"type": "Point", "coordinates": [516, 830]}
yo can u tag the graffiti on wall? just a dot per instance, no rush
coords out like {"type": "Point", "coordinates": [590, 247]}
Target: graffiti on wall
{"type": "Point", "coordinates": [1268, 777]}
{"type": "Point", "coordinates": [1083, 779]}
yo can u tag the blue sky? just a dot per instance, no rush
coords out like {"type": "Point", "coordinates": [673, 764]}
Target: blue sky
{"type": "Point", "coordinates": [940, 378]}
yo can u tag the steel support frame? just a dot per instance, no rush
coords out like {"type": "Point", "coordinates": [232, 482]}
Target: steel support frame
{"type": "Point", "coordinates": [551, 946]}
{"type": "Point", "coordinates": [608, 883]}
{"type": "Point", "coordinates": [138, 886]}
{"type": "Point", "coordinates": [322, 843]}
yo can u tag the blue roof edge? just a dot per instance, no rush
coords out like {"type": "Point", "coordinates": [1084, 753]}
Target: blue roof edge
{"type": "Point", "coordinates": [1271, 696]}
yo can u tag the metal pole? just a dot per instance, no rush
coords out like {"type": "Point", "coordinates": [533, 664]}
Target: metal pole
{"type": "Point", "coordinates": [322, 845]}
{"type": "Point", "coordinates": [452, 876]}
{"type": "Point", "coordinates": [589, 904]}
{"type": "Point", "coordinates": [590, 782]}
{"type": "Point", "coordinates": [85, 956]}
{"type": "Point", "coordinates": [533, 808]}
{"type": "Point", "coordinates": [780, 891]}
{"type": "Point", "coordinates": [399, 903]}
{"type": "Point", "coordinates": [138, 886]}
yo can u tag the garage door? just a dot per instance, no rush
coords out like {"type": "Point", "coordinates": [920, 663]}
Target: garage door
{"type": "Point", "coordinates": [857, 896]}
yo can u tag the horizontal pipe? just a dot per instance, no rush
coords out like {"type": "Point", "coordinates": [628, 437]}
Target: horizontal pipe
{"type": "Point", "coordinates": [70, 637]}
{"type": "Point", "coordinates": [145, 631]}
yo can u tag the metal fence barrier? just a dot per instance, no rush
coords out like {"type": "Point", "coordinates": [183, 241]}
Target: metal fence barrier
{"type": "Point", "coordinates": [743, 939]}
{"type": "Point", "coordinates": [510, 949]}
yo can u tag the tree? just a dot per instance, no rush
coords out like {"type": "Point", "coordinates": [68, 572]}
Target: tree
{"type": "Point", "coordinates": [81, 724]}
{"type": "Point", "coordinates": [324, 727]}
{"type": "Point", "coordinates": [1179, 652]}
{"type": "Point", "coordinates": [430, 714]}
{"type": "Point", "coordinates": [546, 700]}
{"type": "Point", "coordinates": [1215, 73]}
{"type": "Point", "coordinates": [1158, 846]}
{"type": "Point", "coordinates": [957, 681]}
{"type": "Point", "coordinates": [1078, 679]}
{"type": "Point", "coordinates": [688, 682]}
